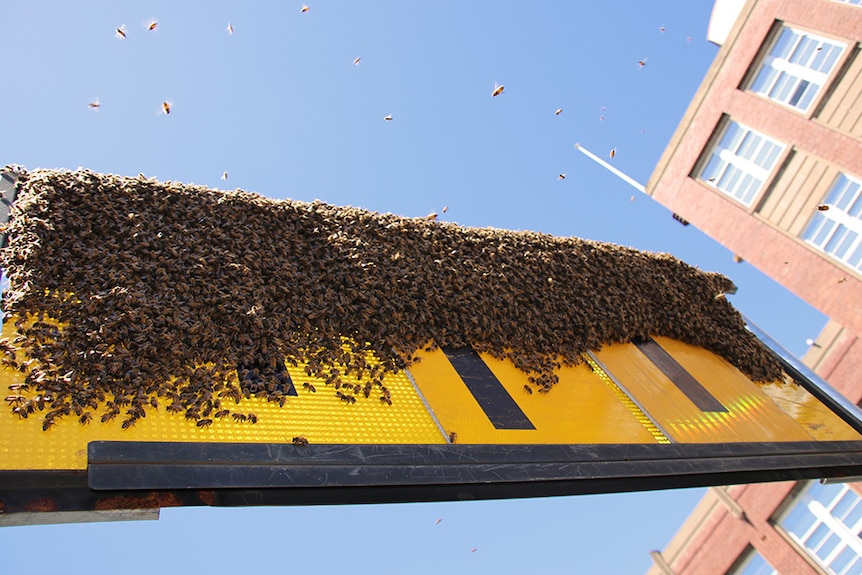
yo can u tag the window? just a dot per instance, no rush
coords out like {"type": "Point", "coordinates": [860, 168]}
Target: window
{"type": "Point", "coordinates": [838, 229]}
{"type": "Point", "coordinates": [753, 563]}
{"type": "Point", "coordinates": [741, 162]}
{"type": "Point", "coordinates": [854, 2]}
{"type": "Point", "coordinates": [796, 67]}
{"type": "Point", "coordinates": [826, 521]}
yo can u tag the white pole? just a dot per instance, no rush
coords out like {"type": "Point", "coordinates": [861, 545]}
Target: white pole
{"type": "Point", "coordinates": [630, 181]}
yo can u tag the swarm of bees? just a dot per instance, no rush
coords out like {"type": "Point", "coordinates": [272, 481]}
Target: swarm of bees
{"type": "Point", "coordinates": [130, 295]}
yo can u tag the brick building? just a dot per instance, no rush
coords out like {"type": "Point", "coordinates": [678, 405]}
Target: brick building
{"type": "Point", "coordinates": [768, 161]}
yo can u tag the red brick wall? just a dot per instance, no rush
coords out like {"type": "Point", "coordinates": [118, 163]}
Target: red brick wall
{"type": "Point", "coordinates": [810, 275]}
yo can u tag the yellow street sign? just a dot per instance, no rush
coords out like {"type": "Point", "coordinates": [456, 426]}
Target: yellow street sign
{"type": "Point", "coordinates": [173, 345]}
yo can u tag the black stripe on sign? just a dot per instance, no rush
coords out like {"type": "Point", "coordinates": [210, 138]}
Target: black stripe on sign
{"type": "Point", "coordinates": [687, 384]}
{"type": "Point", "coordinates": [495, 401]}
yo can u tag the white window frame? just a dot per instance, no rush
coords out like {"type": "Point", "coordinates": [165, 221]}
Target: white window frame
{"type": "Point", "coordinates": [736, 167]}
{"type": "Point", "coordinates": [823, 518]}
{"type": "Point", "coordinates": [840, 220]}
{"type": "Point", "coordinates": [800, 77]}
{"type": "Point", "coordinates": [851, 2]}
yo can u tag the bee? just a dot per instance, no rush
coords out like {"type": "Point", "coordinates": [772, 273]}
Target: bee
{"type": "Point", "coordinates": [561, 177]}
{"type": "Point", "coordinates": [445, 209]}
{"type": "Point", "coordinates": [229, 29]}
{"type": "Point", "coordinates": [85, 418]}
{"type": "Point", "coordinates": [221, 413]}
{"type": "Point", "coordinates": [252, 418]}
{"type": "Point", "coordinates": [299, 440]}
{"type": "Point", "coordinates": [474, 549]}
{"type": "Point", "coordinates": [498, 89]}
{"type": "Point", "coordinates": [152, 24]}
{"type": "Point", "coordinates": [823, 207]}
{"type": "Point", "coordinates": [558, 111]}
{"type": "Point", "coordinates": [386, 400]}
{"type": "Point", "coordinates": [120, 32]}
{"type": "Point", "coordinates": [452, 436]}
{"type": "Point", "coordinates": [528, 389]}
{"type": "Point", "coordinates": [166, 107]}
{"type": "Point", "coordinates": [437, 522]}
{"type": "Point", "coordinates": [431, 216]}
{"type": "Point", "coordinates": [356, 60]}
{"type": "Point", "coordinates": [842, 280]}
{"type": "Point", "coordinates": [239, 417]}
{"type": "Point", "coordinates": [204, 423]}
{"type": "Point", "coordinates": [304, 8]}
{"type": "Point", "coordinates": [631, 199]}
{"type": "Point", "coordinates": [388, 117]}
{"type": "Point", "coordinates": [612, 153]}
{"type": "Point", "coordinates": [128, 423]}
{"type": "Point", "coordinates": [47, 423]}
{"type": "Point", "coordinates": [602, 118]}
{"type": "Point", "coordinates": [94, 105]}
{"type": "Point", "coordinates": [309, 387]}
{"type": "Point", "coordinates": [642, 63]}
{"type": "Point", "coordinates": [224, 176]}
{"type": "Point", "coordinates": [719, 296]}
{"type": "Point", "coordinates": [661, 29]}
{"type": "Point", "coordinates": [15, 399]}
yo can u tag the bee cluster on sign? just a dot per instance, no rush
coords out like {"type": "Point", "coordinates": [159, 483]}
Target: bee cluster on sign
{"type": "Point", "coordinates": [129, 295]}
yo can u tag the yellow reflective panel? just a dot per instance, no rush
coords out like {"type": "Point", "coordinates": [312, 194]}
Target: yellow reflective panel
{"type": "Point", "coordinates": [799, 404]}
{"type": "Point", "coordinates": [319, 417]}
{"type": "Point", "coordinates": [747, 415]}
{"type": "Point", "coordinates": [581, 408]}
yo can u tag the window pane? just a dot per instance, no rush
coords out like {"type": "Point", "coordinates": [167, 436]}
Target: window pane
{"type": "Point", "coordinates": [828, 546]}
{"type": "Point", "coordinates": [784, 44]}
{"type": "Point", "coordinates": [843, 560]}
{"type": "Point", "coordinates": [837, 240]}
{"type": "Point", "coordinates": [834, 52]}
{"type": "Point", "coordinates": [731, 136]}
{"type": "Point", "coordinates": [795, 69]}
{"type": "Point", "coordinates": [764, 79]}
{"type": "Point", "coordinates": [803, 52]}
{"type": "Point", "coordinates": [817, 538]}
{"type": "Point", "coordinates": [808, 97]}
{"type": "Point", "coordinates": [856, 258]}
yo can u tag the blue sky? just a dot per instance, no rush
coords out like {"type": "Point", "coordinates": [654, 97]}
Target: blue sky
{"type": "Point", "coordinates": [281, 108]}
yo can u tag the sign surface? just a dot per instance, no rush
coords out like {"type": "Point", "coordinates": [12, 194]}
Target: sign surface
{"type": "Point", "coordinates": [173, 345]}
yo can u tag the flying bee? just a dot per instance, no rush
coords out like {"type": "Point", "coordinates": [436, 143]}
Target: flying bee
{"type": "Point", "coordinates": [498, 89]}
{"type": "Point", "coordinates": [299, 440]}
{"type": "Point", "coordinates": [661, 29]}
{"type": "Point", "coordinates": [204, 423]}
{"type": "Point", "coordinates": [229, 29]}
{"type": "Point", "coordinates": [120, 32]}
{"type": "Point", "coordinates": [561, 177]}
{"type": "Point", "coordinates": [445, 209]}
{"type": "Point", "coordinates": [431, 216]}
{"type": "Point", "coordinates": [94, 105]}
{"type": "Point", "coordinates": [558, 111]}
{"type": "Point", "coordinates": [612, 153]}
{"type": "Point", "coordinates": [151, 24]}
{"type": "Point", "coordinates": [642, 63]}
{"type": "Point", "coordinates": [224, 176]}
{"type": "Point", "coordinates": [388, 117]}
{"type": "Point", "coordinates": [304, 8]}
{"type": "Point", "coordinates": [823, 207]}
{"type": "Point", "coordinates": [166, 107]}
{"type": "Point", "coordinates": [437, 522]}
{"type": "Point", "coordinates": [356, 60]}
